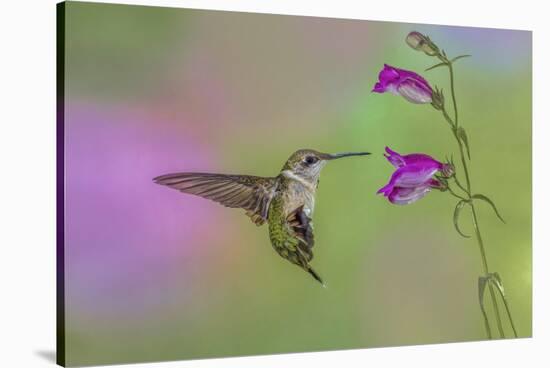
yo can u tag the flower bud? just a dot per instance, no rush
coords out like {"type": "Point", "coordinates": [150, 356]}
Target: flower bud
{"type": "Point", "coordinates": [419, 42]}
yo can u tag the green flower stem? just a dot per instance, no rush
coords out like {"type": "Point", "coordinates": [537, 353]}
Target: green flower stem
{"type": "Point", "coordinates": [468, 190]}
{"type": "Point", "coordinates": [454, 194]}
{"type": "Point", "coordinates": [464, 164]}
{"type": "Point", "coordinates": [486, 320]}
{"type": "Point", "coordinates": [449, 120]}
{"type": "Point", "coordinates": [486, 269]}
{"type": "Point", "coordinates": [458, 184]}
{"type": "Point", "coordinates": [450, 65]}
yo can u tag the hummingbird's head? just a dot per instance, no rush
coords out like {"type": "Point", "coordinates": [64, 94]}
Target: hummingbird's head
{"type": "Point", "coordinates": [307, 163]}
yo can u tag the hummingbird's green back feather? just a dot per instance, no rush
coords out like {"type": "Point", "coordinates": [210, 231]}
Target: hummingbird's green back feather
{"type": "Point", "coordinates": [291, 234]}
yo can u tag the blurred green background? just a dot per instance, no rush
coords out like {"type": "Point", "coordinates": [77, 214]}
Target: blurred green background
{"type": "Point", "coordinates": [152, 274]}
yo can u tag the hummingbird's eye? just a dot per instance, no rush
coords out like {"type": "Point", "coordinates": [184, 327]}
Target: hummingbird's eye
{"type": "Point", "coordinates": [310, 160]}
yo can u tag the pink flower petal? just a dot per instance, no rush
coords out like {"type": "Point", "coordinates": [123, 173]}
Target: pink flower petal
{"type": "Point", "coordinates": [415, 91]}
{"type": "Point", "coordinates": [403, 196]}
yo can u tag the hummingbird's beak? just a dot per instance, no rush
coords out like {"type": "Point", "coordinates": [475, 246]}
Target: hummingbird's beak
{"type": "Point", "coordinates": [344, 154]}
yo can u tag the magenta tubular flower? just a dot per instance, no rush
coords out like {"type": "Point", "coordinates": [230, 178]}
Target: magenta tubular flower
{"type": "Point", "coordinates": [413, 177]}
{"type": "Point", "coordinates": [407, 84]}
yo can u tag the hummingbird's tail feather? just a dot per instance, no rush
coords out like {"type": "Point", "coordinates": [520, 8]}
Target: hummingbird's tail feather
{"type": "Point", "coordinates": [315, 275]}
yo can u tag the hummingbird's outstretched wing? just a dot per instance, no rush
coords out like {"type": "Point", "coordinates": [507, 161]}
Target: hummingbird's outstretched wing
{"type": "Point", "coordinates": [253, 193]}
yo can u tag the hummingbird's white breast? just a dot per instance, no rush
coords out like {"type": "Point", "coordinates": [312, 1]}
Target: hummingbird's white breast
{"type": "Point", "coordinates": [300, 192]}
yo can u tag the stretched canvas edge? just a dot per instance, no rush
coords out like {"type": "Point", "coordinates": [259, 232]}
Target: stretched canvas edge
{"type": "Point", "coordinates": [60, 184]}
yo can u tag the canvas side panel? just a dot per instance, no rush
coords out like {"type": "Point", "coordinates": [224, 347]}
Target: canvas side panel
{"type": "Point", "coordinates": [60, 186]}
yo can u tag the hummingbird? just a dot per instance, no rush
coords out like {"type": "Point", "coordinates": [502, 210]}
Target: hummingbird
{"type": "Point", "coordinates": [286, 202]}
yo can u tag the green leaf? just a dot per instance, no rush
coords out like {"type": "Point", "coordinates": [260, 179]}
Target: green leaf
{"type": "Point", "coordinates": [436, 66]}
{"type": "Point", "coordinates": [486, 199]}
{"type": "Point", "coordinates": [460, 57]}
{"type": "Point", "coordinates": [481, 283]}
{"type": "Point", "coordinates": [497, 281]}
{"type": "Point", "coordinates": [458, 208]}
{"type": "Point", "coordinates": [461, 132]}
